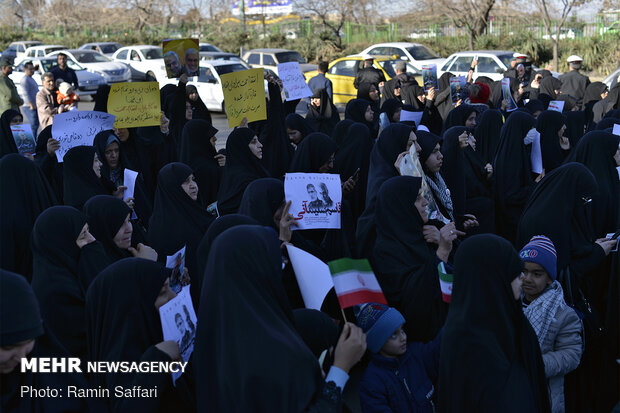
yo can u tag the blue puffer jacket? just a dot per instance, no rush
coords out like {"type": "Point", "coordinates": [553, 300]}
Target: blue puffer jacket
{"type": "Point", "coordinates": [404, 384]}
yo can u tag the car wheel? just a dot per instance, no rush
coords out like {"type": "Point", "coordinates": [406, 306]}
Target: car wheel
{"type": "Point", "coordinates": [150, 77]}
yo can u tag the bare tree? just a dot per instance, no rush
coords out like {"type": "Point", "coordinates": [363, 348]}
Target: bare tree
{"type": "Point", "coordinates": [559, 9]}
{"type": "Point", "coordinates": [473, 15]}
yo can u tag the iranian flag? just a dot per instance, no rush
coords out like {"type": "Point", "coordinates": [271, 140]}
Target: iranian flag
{"type": "Point", "coordinates": [445, 282]}
{"type": "Point", "coordinates": [355, 283]}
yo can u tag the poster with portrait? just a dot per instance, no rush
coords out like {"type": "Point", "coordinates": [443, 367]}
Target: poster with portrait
{"type": "Point", "coordinates": [458, 88]}
{"type": "Point", "coordinates": [24, 139]}
{"type": "Point", "coordinates": [178, 323]}
{"type": "Point", "coordinates": [429, 77]}
{"type": "Point", "coordinates": [315, 200]}
{"type": "Point", "coordinates": [181, 56]}
{"type": "Point", "coordinates": [507, 95]}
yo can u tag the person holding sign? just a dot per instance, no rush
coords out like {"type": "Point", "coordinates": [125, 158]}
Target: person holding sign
{"type": "Point", "coordinates": [10, 117]}
{"type": "Point", "coordinates": [122, 323]}
{"type": "Point", "coordinates": [82, 177]}
{"type": "Point", "coordinates": [406, 255]}
{"type": "Point", "coordinates": [243, 165]}
{"type": "Point", "coordinates": [243, 288]}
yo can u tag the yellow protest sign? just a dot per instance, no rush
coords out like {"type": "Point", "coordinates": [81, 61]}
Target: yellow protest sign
{"type": "Point", "coordinates": [135, 104]}
{"type": "Point", "coordinates": [244, 96]}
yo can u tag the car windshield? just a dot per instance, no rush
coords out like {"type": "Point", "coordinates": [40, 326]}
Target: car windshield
{"type": "Point", "coordinates": [47, 64]}
{"type": "Point", "coordinates": [505, 59]}
{"type": "Point", "coordinates": [208, 48]}
{"type": "Point", "coordinates": [233, 67]}
{"type": "Point", "coordinates": [90, 57]}
{"type": "Point", "coordinates": [11, 49]}
{"type": "Point", "coordinates": [108, 48]}
{"type": "Point", "coordinates": [422, 53]}
{"type": "Point", "coordinates": [152, 54]}
{"type": "Point", "coordinates": [285, 57]}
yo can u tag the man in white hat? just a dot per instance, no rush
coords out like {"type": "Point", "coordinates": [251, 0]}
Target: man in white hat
{"type": "Point", "coordinates": [369, 74]}
{"type": "Point", "coordinates": [573, 82]}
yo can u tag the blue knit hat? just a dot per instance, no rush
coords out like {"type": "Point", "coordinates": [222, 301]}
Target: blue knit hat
{"type": "Point", "coordinates": [541, 250]}
{"type": "Point", "coordinates": [379, 322]}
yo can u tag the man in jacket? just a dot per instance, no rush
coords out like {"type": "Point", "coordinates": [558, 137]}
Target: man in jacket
{"type": "Point", "coordinates": [573, 82]}
{"type": "Point", "coordinates": [9, 97]}
{"type": "Point", "coordinates": [369, 74]}
{"type": "Point", "coordinates": [47, 105]}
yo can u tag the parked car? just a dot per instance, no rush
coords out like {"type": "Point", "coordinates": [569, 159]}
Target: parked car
{"type": "Point", "coordinates": [612, 79]}
{"type": "Point", "coordinates": [223, 56]}
{"type": "Point", "coordinates": [491, 63]}
{"type": "Point", "coordinates": [105, 48]}
{"type": "Point", "coordinates": [38, 51]}
{"type": "Point", "coordinates": [145, 62]}
{"type": "Point", "coordinates": [209, 83]}
{"type": "Point", "coordinates": [270, 58]}
{"type": "Point", "coordinates": [418, 54]}
{"type": "Point", "coordinates": [16, 49]}
{"type": "Point", "coordinates": [208, 47]}
{"type": "Point", "coordinates": [112, 72]}
{"type": "Point", "coordinates": [342, 74]}
{"type": "Point", "coordinates": [88, 82]}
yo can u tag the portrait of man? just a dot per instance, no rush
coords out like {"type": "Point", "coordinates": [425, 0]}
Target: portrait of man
{"type": "Point", "coordinates": [315, 202]}
{"type": "Point", "coordinates": [174, 68]}
{"type": "Point", "coordinates": [186, 337]}
{"type": "Point", "coordinates": [327, 201]}
{"type": "Point", "coordinates": [191, 62]}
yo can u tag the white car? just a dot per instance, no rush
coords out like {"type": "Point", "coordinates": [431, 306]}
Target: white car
{"type": "Point", "coordinates": [145, 62]}
{"type": "Point", "coordinates": [88, 82]}
{"type": "Point", "coordinates": [209, 83]}
{"type": "Point", "coordinates": [208, 47]}
{"type": "Point", "coordinates": [38, 51]}
{"type": "Point", "coordinates": [95, 62]}
{"type": "Point", "coordinates": [105, 48]}
{"type": "Point", "coordinates": [491, 63]}
{"type": "Point", "coordinates": [418, 54]}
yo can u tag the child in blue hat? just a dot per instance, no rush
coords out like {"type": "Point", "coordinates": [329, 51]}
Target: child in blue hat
{"type": "Point", "coordinates": [400, 375]}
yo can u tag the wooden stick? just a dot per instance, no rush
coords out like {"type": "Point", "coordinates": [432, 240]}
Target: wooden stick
{"type": "Point", "coordinates": [343, 316]}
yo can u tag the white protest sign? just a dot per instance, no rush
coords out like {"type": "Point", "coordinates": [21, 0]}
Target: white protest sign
{"type": "Point", "coordinates": [79, 127]}
{"type": "Point", "coordinates": [315, 200]}
{"type": "Point", "coordinates": [313, 276]}
{"type": "Point", "coordinates": [293, 80]}
{"type": "Point", "coordinates": [129, 180]}
{"type": "Point", "coordinates": [616, 130]}
{"type": "Point", "coordinates": [409, 116]}
{"type": "Point", "coordinates": [178, 323]}
{"type": "Point", "coordinates": [536, 155]}
{"type": "Point", "coordinates": [557, 105]}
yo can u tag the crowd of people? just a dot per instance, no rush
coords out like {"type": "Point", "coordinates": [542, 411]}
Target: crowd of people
{"type": "Point", "coordinates": [497, 257]}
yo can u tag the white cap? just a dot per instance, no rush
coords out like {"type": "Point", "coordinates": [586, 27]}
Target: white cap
{"type": "Point", "coordinates": [574, 58]}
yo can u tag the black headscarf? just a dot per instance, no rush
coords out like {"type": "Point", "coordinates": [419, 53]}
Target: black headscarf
{"type": "Point", "coordinates": [487, 134]}
{"type": "Point", "coordinates": [242, 167]}
{"type": "Point", "coordinates": [558, 208]}
{"type": "Point", "coordinates": [101, 142]}
{"type": "Point", "coordinates": [49, 163]}
{"type": "Point", "coordinates": [575, 126]}
{"type": "Point", "coordinates": [62, 273]}
{"type": "Point", "coordinates": [596, 151]}
{"type": "Point", "coordinates": [512, 170]}
{"type": "Point", "coordinates": [313, 152]}
{"type": "Point", "coordinates": [106, 215]}
{"type": "Point", "coordinates": [199, 109]}
{"type": "Point", "coordinates": [20, 320]}
{"type": "Point", "coordinates": [409, 94]}
{"type": "Point", "coordinates": [101, 98]}
{"type": "Point", "coordinates": [261, 199]}
{"type": "Point", "coordinates": [199, 154]}
{"type": "Point", "coordinates": [7, 142]}
{"type": "Point", "coordinates": [458, 116]}
{"type": "Point", "coordinates": [219, 225]}
{"type": "Point", "coordinates": [164, 93]}
{"type": "Point", "coordinates": [405, 266]}
{"type": "Point", "coordinates": [607, 123]}
{"type": "Point", "coordinates": [79, 180]}
{"type": "Point", "coordinates": [24, 195]}
{"type": "Point", "coordinates": [490, 358]}
{"type": "Point", "coordinates": [443, 99]}
{"type": "Point", "coordinates": [390, 106]}
{"type": "Point", "coordinates": [593, 92]}
{"type": "Point", "coordinates": [177, 219]}
{"type": "Point", "coordinates": [453, 168]}
{"type": "Point", "coordinates": [391, 142]}
{"type": "Point", "coordinates": [549, 85]}
{"type": "Point", "coordinates": [340, 131]}
{"type": "Point", "coordinates": [548, 124]}
{"type": "Point", "coordinates": [299, 123]}
{"type": "Point", "coordinates": [356, 111]}
{"type": "Point", "coordinates": [123, 324]}
{"type": "Point", "coordinates": [243, 288]}
{"type": "Point", "coordinates": [534, 105]}
{"type": "Point", "coordinates": [324, 118]}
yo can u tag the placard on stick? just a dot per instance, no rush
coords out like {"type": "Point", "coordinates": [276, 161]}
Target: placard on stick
{"type": "Point", "coordinates": [244, 96]}
{"type": "Point", "coordinates": [135, 104]}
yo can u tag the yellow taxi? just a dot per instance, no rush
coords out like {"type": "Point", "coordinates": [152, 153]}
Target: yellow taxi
{"type": "Point", "coordinates": [342, 73]}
